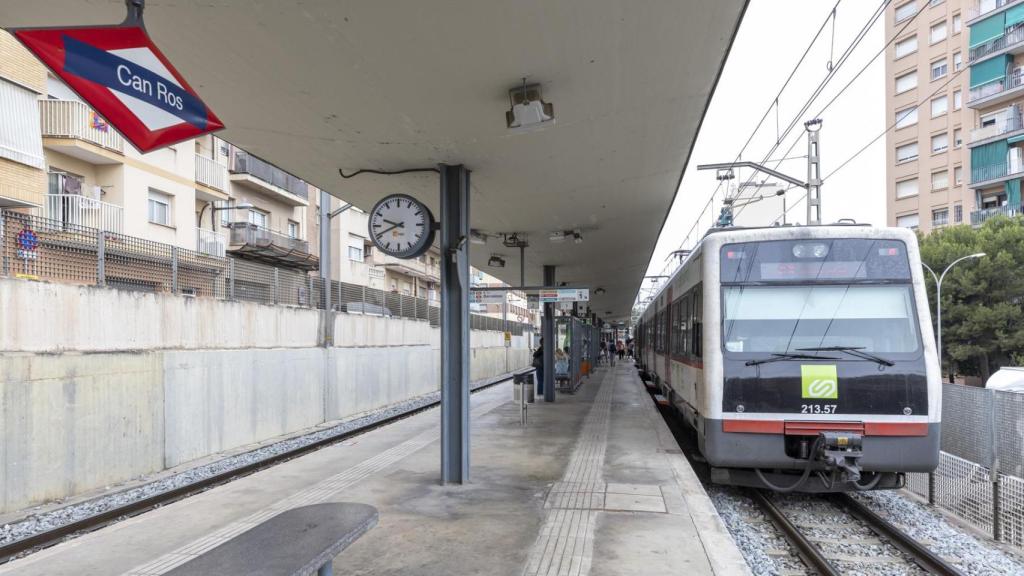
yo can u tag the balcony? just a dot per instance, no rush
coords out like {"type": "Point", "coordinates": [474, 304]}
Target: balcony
{"type": "Point", "coordinates": [415, 268]}
{"type": "Point", "coordinates": [978, 217]}
{"type": "Point", "coordinates": [1003, 126]}
{"type": "Point", "coordinates": [72, 120]}
{"type": "Point", "coordinates": [985, 175]}
{"type": "Point", "coordinates": [210, 242]}
{"type": "Point", "coordinates": [1012, 42]}
{"type": "Point", "coordinates": [260, 176]}
{"type": "Point", "coordinates": [996, 91]}
{"type": "Point", "coordinates": [259, 243]}
{"type": "Point", "coordinates": [211, 174]}
{"type": "Point", "coordinates": [79, 210]}
{"type": "Point", "coordinates": [982, 7]}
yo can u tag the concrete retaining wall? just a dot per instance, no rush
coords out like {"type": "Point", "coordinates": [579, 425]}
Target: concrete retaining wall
{"type": "Point", "coordinates": [100, 386]}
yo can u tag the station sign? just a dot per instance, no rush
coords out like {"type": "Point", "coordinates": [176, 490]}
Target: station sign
{"type": "Point", "coordinates": [486, 297]}
{"type": "Point", "coordinates": [565, 295]}
{"type": "Point", "coordinates": [532, 301]}
{"type": "Point", "coordinates": [120, 72]}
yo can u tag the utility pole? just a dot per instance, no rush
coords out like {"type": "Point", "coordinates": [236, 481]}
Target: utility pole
{"type": "Point", "coordinates": [813, 128]}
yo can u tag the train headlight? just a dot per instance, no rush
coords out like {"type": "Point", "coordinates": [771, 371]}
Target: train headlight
{"type": "Point", "coordinates": [810, 250]}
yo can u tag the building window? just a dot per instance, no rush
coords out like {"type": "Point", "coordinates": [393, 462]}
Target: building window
{"type": "Point", "coordinates": [906, 188]}
{"type": "Point", "coordinates": [21, 137]}
{"type": "Point", "coordinates": [940, 180]}
{"type": "Point", "coordinates": [159, 208]}
{"type": "Point", "coordinates": [906, 46]}
{"type": "Point", "coordinates": [940, 106]}
{"type": "Point", "coordinates": [908, 221]}
{"type": "Point", "coordinates": [933, 3]}
{"type": "Point", "coordinates": [376, 272]}
{"type": "Point", "coordinates": [940, 142]}
{"type": "Point", "coordinates": [293, 229]}
{"type": "Point", "coordinates": [906, 152]}
{"type": "Point", "coordinates": [939, 69]}
{"type": "Point", "coordinates": [958, 100]}
{"type": "Point", "coordinates": [356, 244]}
{"type": "Point", "coordinates": [957, 23]}
{"type": "Point", "coordinates": [958, 213]}
{"type": "Point", "coordinates": [258, 218]}
{"type": "Point", "coordinates": [905, 11]}
{"type": "Point", "coordinates": [906, 82]}
{"type": "Point", "coordinates": [225, 217]}
{"type": "Point", "coordinates": [958, 175]}
{"type": "Point", "coordinates": [958, 138]}
{"type": "Point", "coordinates": [906, 117]}
{"type": "Point", "coordinates": [958, 61]}
{"type": "Point", "coordinates": [937, 33]}
{"type": "Point", "coordinates": [940, 217]}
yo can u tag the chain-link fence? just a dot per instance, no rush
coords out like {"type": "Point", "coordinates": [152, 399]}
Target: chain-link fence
{"type": "Point", "coordinates": [980, 477]}
{"type": "Point", "coordinates": [53, 250]}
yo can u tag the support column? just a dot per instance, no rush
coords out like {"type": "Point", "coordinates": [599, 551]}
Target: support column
{"type": "Point", "coordinates": [454, 324]}
{"type": "Point", "coordinates": [327, 324]}
{"type": "Point", "coordinates": [548, 332]}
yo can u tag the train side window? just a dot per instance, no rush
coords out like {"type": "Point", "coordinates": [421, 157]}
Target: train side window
{"type": "Point", "coordinates": [697, 321]}
{"type": "Point", "coordinates": [684, 313]}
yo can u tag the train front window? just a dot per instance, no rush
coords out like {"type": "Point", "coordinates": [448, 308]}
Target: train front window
{"type": "Point", "coordinates": [779, 319]}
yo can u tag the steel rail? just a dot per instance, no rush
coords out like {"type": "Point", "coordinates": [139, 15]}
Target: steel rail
{"type": "Point", "coordinates": [807, 550]}
{"type": "Point", "coordinates": [922, 556]}
{"type": "Point", "coordinates": [57, 535]}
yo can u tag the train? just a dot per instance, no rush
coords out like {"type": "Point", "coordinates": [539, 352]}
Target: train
{"type": "Point", "coordinates": [802, 357]}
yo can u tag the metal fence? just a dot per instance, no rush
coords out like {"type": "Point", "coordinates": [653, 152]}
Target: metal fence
{"type": "Point", "coordinates": [980, 477]}
{"type": "Point", "coordinates": [40, 248]}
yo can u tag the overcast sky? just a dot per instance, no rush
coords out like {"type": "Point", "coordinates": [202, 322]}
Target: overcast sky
{"type": "Point", "coordinates": [773, 35]}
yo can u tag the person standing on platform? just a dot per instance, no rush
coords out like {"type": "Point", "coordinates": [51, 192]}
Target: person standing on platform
{"type": "Point", "coordinates": [538, 363]}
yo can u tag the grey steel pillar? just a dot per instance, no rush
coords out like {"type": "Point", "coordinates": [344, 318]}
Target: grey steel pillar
{"type": "Point", "coordinates": [548, 332]}
{"type": "Point", "coordinates": [454, 324]}
{"type": "Point", "coordinates": [325, 247]}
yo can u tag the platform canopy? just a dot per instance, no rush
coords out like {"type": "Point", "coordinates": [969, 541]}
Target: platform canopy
{"type": "Point", "coordinates": [318, 85]}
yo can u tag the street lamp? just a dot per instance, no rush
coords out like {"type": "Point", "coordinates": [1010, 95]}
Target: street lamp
{"type": "Point", "coordinates": [938, 296]}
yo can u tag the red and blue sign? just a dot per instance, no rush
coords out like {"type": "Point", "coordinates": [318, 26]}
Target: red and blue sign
{"type": "Point", "coordinates": [120, 73]}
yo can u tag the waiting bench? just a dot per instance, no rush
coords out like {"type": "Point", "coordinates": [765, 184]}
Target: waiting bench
{"type": "Point", "coordinates": [296, 542]}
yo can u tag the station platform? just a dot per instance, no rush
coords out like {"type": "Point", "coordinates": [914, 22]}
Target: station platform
{"type": "Point", "coordinates": [594, 484]}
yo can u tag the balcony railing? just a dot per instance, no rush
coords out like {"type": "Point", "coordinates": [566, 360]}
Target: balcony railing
{"type": "Point", "coordinates": [1012, 80]}
{"type": "Point", "coordinates": [212, 174]}
{"type": "Point", "coordinates": [245, 233]}
{"type": "Point", "coordinates": [1003, 126]}
{"type": "Point", "coordinates": [1012, 37]}
{"type": "Point", "coordinates": [210, 242]}
{"type": "Point", "coordinates": [978, 217]}
{"type": "Point", "coordinates": [982, 7]}
{"type": "Point", "coordinates": [247, 164]}
{"type": "Point", "coordinates": [79, 210]}
{"type": "Point", "coordinates": [71, 119]}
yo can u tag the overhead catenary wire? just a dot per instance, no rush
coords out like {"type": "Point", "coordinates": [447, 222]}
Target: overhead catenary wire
{"type": "Point", "coordinates": [884, 132]}
{"type": "Point", "coordinates": [834, 98]}
{"type": "Point", "coordinates": [879, 12]}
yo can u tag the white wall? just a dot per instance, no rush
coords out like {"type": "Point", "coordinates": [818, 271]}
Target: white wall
{"type": "Point", "coordinates": [103, 385]}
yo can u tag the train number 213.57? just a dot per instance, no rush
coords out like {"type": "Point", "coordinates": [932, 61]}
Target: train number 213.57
{"type": "Point", "coordinates": [818, 408]}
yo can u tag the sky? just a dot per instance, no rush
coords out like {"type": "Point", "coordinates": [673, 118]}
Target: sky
{"type": "Point", "coordinates": [770, 41]}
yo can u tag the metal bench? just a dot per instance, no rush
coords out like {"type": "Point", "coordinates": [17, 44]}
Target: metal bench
{"type": "Point", "coordinates": [296, 542]}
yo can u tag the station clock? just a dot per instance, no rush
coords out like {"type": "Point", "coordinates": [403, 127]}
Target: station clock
{"type": "Point", "coordinates": [401, 226]}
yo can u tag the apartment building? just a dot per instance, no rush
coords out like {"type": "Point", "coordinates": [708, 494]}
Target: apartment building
{"type": "Point", "coordinates": [927, 183]}
{"type": "Point", "coordinates": [959, 156]}
{"type": "Point", "coordinates": [22, 166]}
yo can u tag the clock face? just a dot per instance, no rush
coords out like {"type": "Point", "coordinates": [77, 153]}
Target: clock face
{"type": "Point", "coordinates": [401, 226]}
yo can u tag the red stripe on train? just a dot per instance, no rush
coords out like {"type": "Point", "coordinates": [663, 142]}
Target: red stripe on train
{"type": "Point", "coordinates": [807, 428]}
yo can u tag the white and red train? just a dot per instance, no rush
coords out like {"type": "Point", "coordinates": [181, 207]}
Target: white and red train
{"type": "Point", "coordinates": [802, 356]}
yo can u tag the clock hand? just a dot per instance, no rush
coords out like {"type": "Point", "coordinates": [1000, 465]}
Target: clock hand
{"type": "Point", "coordinates": [382, 232]}
{"type": "Point", "coordinates": [398, 224]}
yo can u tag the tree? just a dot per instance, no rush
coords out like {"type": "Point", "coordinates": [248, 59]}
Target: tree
{"type": "Point", "coordinates": [982, 300]}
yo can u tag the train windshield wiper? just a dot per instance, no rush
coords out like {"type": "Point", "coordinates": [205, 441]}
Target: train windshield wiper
{"type": "Point", "coordinates": [857, 351]}
{"type": "Point", "coordinates": [780, 356]}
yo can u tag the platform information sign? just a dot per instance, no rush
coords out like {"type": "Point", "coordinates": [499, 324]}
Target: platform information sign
{"type": "Point", "coordinates": [120, 72]}
{"type": "Point", "coordinates": [486, 297]}
{"type": "Point", "coordinates": [565, 295]}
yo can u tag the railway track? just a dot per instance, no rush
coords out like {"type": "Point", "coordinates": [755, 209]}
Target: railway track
{"type": "Point", "coordinates": [836, 534]}
{"type": "Point", "coordinates": [47, 538]}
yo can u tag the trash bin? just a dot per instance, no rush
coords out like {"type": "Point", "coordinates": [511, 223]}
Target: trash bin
{"type": "Point", "coordinates": [527, 384]}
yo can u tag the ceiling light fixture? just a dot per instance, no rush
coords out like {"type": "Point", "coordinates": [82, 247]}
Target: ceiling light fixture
{"type": "Point", "coordinates": [600, 291]}
{"type": "Point", "coordinates": [477, 237]}
{"type": "Point", "coordinates": [528, 110]}
{"type": "Point", "coordinates": [496, 261]}
{"type": "Point", "coordinates": [557, 237]}
{"type": "Point", "coordinates": [577, 237]}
